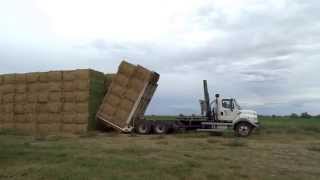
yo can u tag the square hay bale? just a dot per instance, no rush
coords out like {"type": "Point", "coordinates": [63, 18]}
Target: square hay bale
{"type": "Point", "coordinates": [137, 85]}
{"type": "Point", "coordinates": [31, 118]}
{"type": "Point", "coordinates": [26, 127]}
{"type": "Point", "coordinates": [54, 76]}
{"type": "Point", "coordinates": [43, 77]}
{"type": "Point", "coordinates": [32, 97]}
{"type": "Point", "coordinates": [19, 108]}
{"type": "Point", "coordinates": [42, 108]}
{"type": "Point", "coordinates": [68, 117]}
{"type": "Point", "coordinates": [8, 98]}
{"type": "Point", "coordinates": [20, 98]}
{"type": "Point", "coordinates": [32, 77]}
{"type": "Point", "coordinates": [81, 118]}
{"type": "Point", "coordinates": [74, 128]}
{"type": "Point", "coordinates": [1, 109]}
{"type": "Point", "coordinates": [126, 105]}
{"type": "Point", "coordinates": [82, 96]}
{"type": "Point", "coordinates": [20, 88]}
{"type": "Point", "coordinates": [83, 85]}
{"type": "Point", "coordinates": [142, 74]}
{"type": "Point", "coordinates": [55, 118]}
{"type": "Point", "coordinates": [1, 80]}
{"type": "Point", "coordinates": [31, 108]}
{"type": "Point", "coordinates": [69, 97]}
{"type": "Point", "coordinates": [55, 97]}
{"type": "Point", "coordinates": [131, 94]}
{"type": "Point", "coordinates": [126, 69]}
{"type": "Point", "coordinates": [117, 90]}
{"type": "Point", "coordinates": [69, 107]}
{"type": "Point", "coordinates": [21, 78]}
{"type": "Point", "coordinates": [8, 108]}
{"type": "Point", "coordinates": [48, 128]}
{"type": "Point", "coordinates": [43, 87]}
{"type": "Point", "coordinates": [20, 118]}
{"type": "Point", "coordinates": [82, 74]}
{"type": "Point", "coordinates": [68, 86]}
{"type": "Point", "coordinates": [109, 110]}
{"type": "Point", "coordinates": [55, 86]}
{"type": "Point", "coordinates": [7, 125]}
{"type": "Point", "coordinates": [43, 118]}
{"type": "Point", "coordinates": [68, 76]}
{"type": "Point", "coordinates": [113, 100]}
{"type": "Point", "coordinates": [121, 80]}
{"type": "Point", "coordinates": [121, 117]}
{"type": "Point", "coordinates": [9, 78]}
{"type": "Point", "coordinates": [43, 97]}
{"type": "Point", "coordinates": [54, 107]}
{"type": "Point", "coordinates": [8, 118]}
{"type": "Point", "coordinates": [82, 107]}
{"type": "Point", "coordinates": [7, 88]}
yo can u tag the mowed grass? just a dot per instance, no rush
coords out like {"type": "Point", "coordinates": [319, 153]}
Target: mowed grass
{"type": "Point", "coordinates": [281, 149]}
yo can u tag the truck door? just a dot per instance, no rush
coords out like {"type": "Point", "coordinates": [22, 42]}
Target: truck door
{"type": "Point", "coordinates": [227, 112]}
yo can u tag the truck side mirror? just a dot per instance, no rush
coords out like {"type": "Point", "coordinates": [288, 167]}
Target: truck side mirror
{"type": "Point", "coordinates": [231, 104]}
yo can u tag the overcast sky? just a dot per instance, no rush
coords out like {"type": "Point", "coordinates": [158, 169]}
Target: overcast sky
{"type": "Point", "coordinates": [265, 53]}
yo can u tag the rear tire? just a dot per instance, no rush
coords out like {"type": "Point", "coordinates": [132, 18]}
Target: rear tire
{"type": "Point", "coordinates": [243, 129]}
{"type": "Point", "coordinates": [160, 128]}
{"type": "Point", "coordinates": [143, 128]}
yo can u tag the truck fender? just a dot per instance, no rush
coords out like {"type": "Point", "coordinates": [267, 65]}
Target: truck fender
{"type": "Point", "coordinates": [243, 120]}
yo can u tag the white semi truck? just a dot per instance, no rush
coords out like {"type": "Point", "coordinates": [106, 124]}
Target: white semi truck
{"type": "Point", "coordinates": [216, 116]}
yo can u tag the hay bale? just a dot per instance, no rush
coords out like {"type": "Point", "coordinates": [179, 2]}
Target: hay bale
{"type": "Point", "coordinates": [74, 128]}
{"type": "Point", "coordinates": [9, 78]}
{"type": "Point", "coordinates": [121, 80]}
{"type": "Point", "coordinates": [26, 127]}
{"type": "Point", "coordinates": [55, 97]}
{"type": "Point", "coordinates": [68, 117]}
{"type": "Point", "coordinates": [82, 107]}
{"type": "Point", "coordinates": [55, 86]}
{"type": "Point", "coordinates": [43, 97]}
{"type": "Point", "coordinates": [108, 109]}
{"type": "Point", "coordinates": [6, 125]}
{"type": "Point", "coordinates": [54, 76]}
{"type": "Point", "coordinates": [21, 88]}
{"type": "Point", "coordinates": [132, 94]}
{"type": "Point", "coordinates": [69, 97]}
{"type": "Point", "coordinates": [1, 109]}
{"type": "Point", "coordinates": [19, 108]}
{"type": "Point", "coordinates": [20, 98]}
{"type": "Point", "coordinates": [55, 118]}
{"type": "Point", "coordinates": [142, 74]}
{"type": "Point", "coordinates": [82, 96]}
{"type": "Point", "coordinates": [30, 108]}
{"type": "Point", "coordinates": [7, 88]}
{"type": "Point", "coordinates": [69, 107]}
{"type": "Point", "coordinates": [68, 76]}
{"type": "Point", "coordinates": [1, 79]}
{"type": "Point", "coordinates": [117, 90]}
{"type": "Point", "coordinates": [121, 117]}
{"type": "Point", "coordinates": [82, 85]}
{"type": "Point", "coordinates": [42, 118]}
{"type": "Point", "coordinates": [82, 74]}
{"type": "Point", "coordinates": [8, 98]}
{"type": "Point", "coordinates": [21, 78]}
{"type": "Point", "coordinates": [54, 107]}
{"type": "Point", "coordinates": [113, 100]}
{"type": "Point", "coordinates": [136, 84]}
{"type": "Point", "coordinates": [20, 118]}
{"type": "Point", "coordinates": [42, 108]}
{"type": "Point", "coordinates": [43, 77]}
{"type": "Point", "coordinates": [32, 97]}
{"type": "Point", "coordinates": [43, 87]}
{"type": "Point", "coordinates": [8, 118]}
{"type": "Point", "coordinates": [81, 118]}
{"type": "Point", "coordinates": [126, 68]}
{"type": "Point", "coordinates": [68, 86]}
{"type": "Point", "coordinates": [8, 108]}
{"type": "Point", "coordinates": [126, 105]}
{"type": "Point", "coordinates": [48, 128]}
{"type": "Point", "coordinates": [32, 77]}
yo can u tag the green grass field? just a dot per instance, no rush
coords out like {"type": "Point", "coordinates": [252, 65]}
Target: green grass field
{"type": "Point", "coordinates": [282, 149]}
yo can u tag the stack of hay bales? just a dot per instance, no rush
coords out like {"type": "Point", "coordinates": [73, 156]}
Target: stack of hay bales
{"type": "Point", "coordinates": [51, 102]}
{"type": "Point", "coordinates": [128, 96]}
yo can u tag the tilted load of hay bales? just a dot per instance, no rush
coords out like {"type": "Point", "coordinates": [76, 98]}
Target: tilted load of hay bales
{"type": "Point", "coordinates": [51, 102]}
{"type": "Point", "coordinates": [128, 96]}
{"type": "Point", "coordinates": [73, 101]}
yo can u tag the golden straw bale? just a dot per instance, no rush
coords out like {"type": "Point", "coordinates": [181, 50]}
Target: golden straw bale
{"type": "Point", "coordinates": [55, 97]}
{"type": "Point", "coordinates": [20, 118]}
{"type": "Point", "coordinates": [113, 99]}
{"type": "Point", "coordinates": [21, 88]}
{"type": "Point", "coordinates": [48, 128]}
{"type": "Point", "coordinates": [68, 76]}
{"type": "Point", "coordinates": [21, 78]}
{"type": "Point", "coordinates": [42, 108]}
{"type": "Point", "coordinates": [126, 68]}
{"type": "Point", "coordinates": [82, 107]}
{"type": "Point", "coordinates": [83, 96]}
{"type": "Point", "coordinates": [55, 86]}
{"type": "Point", "coordinates": [126, 105]}
{"type": "Point", "coordinates": [82, 85]}
{"type": "Point", "coordinates": [82, 74]}
{"type": "Point", "coordinates": [8, 108]}
{"type": "Point", "coordinates": [43, 76]}
{"type": "Point", "coordinates": [121, 80]}
{"type": "Point", "coordinates": [43, 97]}
{"type": "Point", "coordinates": [7, 88]}
{"type": "Point", "coordinates": [69, 107]}
{"type": "Point", "coordinates": [68, 117]}
{"type": "Point", "coordinates": [8, 117]}
{"type": "Point", "coordinates": [20, 98]}
{"type": "Point", "coordinates": [81, 118]}
{"type": "Point", "coordinates": [55, 118]}
{"type": "Point", "coordinates": [69, 96]}
{"type": "Point", "coordinates": [9, 78]}
{"type": "Point", "coordinates": [117, 90]}
{"type": "Point", "coordinates": [32, 97]}
{"type": "Point", "coordinates": [32, 77]}
{"type": "Point", "coordinates": [6, 125]}
{"type": "Point", "coordinates": [19, 108]}
{"type": "Point", "coordinates": [30, 107]}
{"type": "Point", "coordinates": [132, 94]}
{"type": "Point", "coordinates": [8, 98]}
{"type": "Point", "coordinates": [54, 76]}
{"type": "Point", "coordinates": [69, 86]}
{"type": "Point", "coordinates": [43, 118]}
{"type": "Point", "coordinates": [54, 107]}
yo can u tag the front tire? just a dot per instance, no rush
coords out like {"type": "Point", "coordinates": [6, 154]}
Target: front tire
{"type": "Point", "coordinates": [143, 128]}
{"type": "Point", "coordinates": [243, 129]}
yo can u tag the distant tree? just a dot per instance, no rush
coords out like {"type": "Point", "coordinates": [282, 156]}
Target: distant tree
{"type": "Point", "coordinates": [273, 116]}
{"type": "Point", "coordinates": [294, 115]}
{"type": "Point", "coordinates": [305, 115]}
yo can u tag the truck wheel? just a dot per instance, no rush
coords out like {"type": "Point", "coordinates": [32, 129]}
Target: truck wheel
{"type": "Point", "coordinates": [243, 129]}
{"type": "Point", "coordinates": [143, 128]}
{"type": "Point", "coordinates": [160, 128]}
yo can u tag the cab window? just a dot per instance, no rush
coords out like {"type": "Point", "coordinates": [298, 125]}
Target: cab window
{"type": "Point", "coordinates": [226, 103]}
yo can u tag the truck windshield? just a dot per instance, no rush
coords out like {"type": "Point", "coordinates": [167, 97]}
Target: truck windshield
{"type": "Point", "coordinates": [237, 105]}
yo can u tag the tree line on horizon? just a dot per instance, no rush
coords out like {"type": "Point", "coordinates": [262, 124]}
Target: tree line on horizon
{"type": "Point", "coordinates": [304, 115]}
